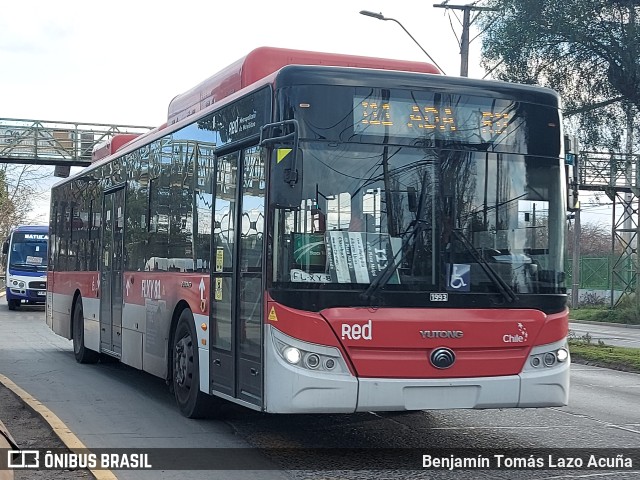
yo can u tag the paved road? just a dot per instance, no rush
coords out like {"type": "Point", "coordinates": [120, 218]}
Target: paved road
{"type": "Point", "coordinates": [110, 405]}
{"type": "Point", "coordinates": [610, 334]}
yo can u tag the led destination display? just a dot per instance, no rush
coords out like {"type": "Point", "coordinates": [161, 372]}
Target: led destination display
{"type": "Point", "coordinates": [450, 118]}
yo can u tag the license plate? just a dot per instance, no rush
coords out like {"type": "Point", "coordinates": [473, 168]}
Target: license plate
{"type": "Point", "coordinates": [42, 294]}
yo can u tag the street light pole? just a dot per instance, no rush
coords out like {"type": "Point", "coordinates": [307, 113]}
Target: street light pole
{"type": "Point", "coordinates": [379, 16]}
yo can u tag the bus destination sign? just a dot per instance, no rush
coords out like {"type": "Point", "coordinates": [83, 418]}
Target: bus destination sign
{"type": "Point", "coordinates": [457, 121]}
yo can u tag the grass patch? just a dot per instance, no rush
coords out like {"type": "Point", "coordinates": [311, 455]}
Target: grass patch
{"type": "Point", "coordinates": [602, 355]}
{"type": "Point", "coordinates": [594, 314]}
{"type": "Point", "coordinates": [627, 312]}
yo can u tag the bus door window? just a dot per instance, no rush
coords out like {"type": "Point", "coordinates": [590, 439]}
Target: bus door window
{"type": "Point", "coordinates": [250, 281]}
{"type": "Point", "coordinates": [224, 233]}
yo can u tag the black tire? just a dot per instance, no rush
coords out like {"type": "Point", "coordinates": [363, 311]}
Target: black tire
{"type": "Point", "coordinates": [186, 368]}
{"type": "Point", "coordinates": [82, 353]}
{"type": "Point", "coordinates": [13, 304]}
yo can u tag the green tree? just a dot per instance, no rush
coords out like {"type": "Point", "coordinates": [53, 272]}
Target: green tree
{"type": "Point", "coordinates": [20, 187]}
{"type": "Point", "coordinates": [595, 240]}
{"type": "Point", "coordinates": [587, 50]}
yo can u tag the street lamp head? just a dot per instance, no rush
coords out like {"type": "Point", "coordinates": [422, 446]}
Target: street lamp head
{"type": "Point", "coordinates": [379, 16]}
{"type": "Point", "coordinates": [367, 13]}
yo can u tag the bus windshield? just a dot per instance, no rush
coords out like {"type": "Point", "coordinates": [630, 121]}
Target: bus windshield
{"type": "Point", "coordinates": [409, 208]}
{"type": "Point", "coordinates": [28, 252]}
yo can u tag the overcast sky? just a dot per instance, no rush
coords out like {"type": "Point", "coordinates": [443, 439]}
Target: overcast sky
{"type": "Point", "coordinates": [122, 62]}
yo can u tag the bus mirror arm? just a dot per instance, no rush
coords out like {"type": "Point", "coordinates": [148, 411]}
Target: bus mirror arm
{"type": "Point", "coordinates": [284, 133]}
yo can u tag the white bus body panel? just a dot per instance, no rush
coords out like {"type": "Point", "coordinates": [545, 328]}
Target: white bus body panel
{"type": "Point", "coordinates": [91, 309]}
{"type": "Point", "coordinates": [290, 389]}
{"type": "Point", "coordinates": [61, 314]}
{"type": "Point", "coordinates": [203, 349]}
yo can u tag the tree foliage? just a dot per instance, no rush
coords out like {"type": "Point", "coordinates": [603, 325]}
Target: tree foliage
{"type": "Point", "coordinates": [587, 50]}
{"type": "Point", "coordinates": [20, 187]}
{"type": "Point", "coordinates": [595, 239]}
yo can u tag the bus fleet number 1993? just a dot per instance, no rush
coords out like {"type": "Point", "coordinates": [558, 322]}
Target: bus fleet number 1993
{"type": "Point", "coordinates": [439, 297]}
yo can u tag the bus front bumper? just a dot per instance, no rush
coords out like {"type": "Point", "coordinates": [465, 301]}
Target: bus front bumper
{"type": "Point", "coordinates": [290, 389]}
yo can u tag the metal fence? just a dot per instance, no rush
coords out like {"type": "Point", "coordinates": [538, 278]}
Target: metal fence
{"type": "Point", "coordinates": [596, 272]}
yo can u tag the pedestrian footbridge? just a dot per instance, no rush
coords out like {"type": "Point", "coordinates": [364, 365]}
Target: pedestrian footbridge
{"type": "Point", "coordinates": [64, 144]}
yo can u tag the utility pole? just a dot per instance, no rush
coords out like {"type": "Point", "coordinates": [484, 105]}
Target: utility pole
{"type": "Point", "coordinates": [575, 268]}
{"type": "Point", "coordinates": [466, 23]}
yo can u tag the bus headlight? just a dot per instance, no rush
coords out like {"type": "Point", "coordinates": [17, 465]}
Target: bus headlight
{"type": "Point", "coordinates": [308, 356]}
{"type": "Point", "coordinates": [547, 356]}
{"type": "Point", "coordinates": [549, 359]}
{"type": "Point", "coordinates": [312, 361]}
{"type": "Point", "coordinates": [291, 355]}
{"type": "Point", "coordinates": [562, 355]}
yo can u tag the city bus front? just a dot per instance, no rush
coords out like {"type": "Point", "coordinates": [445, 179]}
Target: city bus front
{"type": "Point", "coordinates": [26, 272]}
{"type": "Point", "coordinates": [416, 250]}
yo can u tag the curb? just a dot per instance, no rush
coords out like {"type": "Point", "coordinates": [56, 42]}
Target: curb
{"type": "Point", "coordinates": [64, 433]}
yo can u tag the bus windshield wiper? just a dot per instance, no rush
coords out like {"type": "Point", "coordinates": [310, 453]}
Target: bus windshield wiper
{"type": "Point", "coordinates": [503, 287]}
{"type": "Point", "coordinates": [385, 274]}
{"type": "Point", "coordinates": [418, 225]}
{"type": "Point", "coordinates": [24, 266]}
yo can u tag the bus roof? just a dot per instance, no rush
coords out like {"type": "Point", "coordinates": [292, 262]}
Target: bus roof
{"type": "Point", "coordinates": [264, 61]}
{"type": "Point", "coordinates": [106, 148]}
{"type": "Point", "coordinates": [31, 228]}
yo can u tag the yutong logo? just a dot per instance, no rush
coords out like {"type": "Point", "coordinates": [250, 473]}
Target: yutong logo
{"type": "Point", "coordinates": [441, 333]}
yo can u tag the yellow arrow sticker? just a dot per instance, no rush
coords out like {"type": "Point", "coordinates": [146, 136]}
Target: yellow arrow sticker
{"type": "Point", "coordinates": [281, 153]}
{"type": "Point", "coordinates": [272, 315]}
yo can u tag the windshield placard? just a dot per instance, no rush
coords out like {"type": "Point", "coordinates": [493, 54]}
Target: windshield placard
{"type": "Point", "coordinates": [355, 257]}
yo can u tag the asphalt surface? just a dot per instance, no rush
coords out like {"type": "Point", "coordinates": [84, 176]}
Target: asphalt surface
{"type": "Point", "coordinates": [111, 405]}
{"type": "Point", "coordinates": [610, 334]}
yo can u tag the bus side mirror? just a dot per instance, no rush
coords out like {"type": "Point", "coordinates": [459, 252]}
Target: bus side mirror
{"type": "Point", "coordinates": [281, 172]}
{"type": "Point", "coordinates": [5, 248]}
{"type": "Point", "coordinates": [284, 136]}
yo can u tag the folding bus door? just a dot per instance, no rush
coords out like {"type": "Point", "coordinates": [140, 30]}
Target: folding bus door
{"type": "Point", "coordinates": [237, 276]}
{"type": "Point", "coordinates": [111, 272]}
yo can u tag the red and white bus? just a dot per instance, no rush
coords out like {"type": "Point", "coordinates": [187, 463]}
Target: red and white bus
{"type": "Point", "coordinates": [326, 233]}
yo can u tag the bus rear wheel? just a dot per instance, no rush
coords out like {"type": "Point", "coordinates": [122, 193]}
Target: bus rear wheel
{"type": "Point", "coordinates": [82, 353]}
{"type": "Point", "coordinates": [186, 368]}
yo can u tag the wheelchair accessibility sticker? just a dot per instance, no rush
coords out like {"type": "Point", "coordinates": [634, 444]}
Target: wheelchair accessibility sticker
{"type": "Point", "coordinates": [459, 277]}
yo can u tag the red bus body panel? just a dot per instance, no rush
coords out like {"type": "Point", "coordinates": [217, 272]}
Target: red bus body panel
{"type": "Point", "coordinates": [112, 146]}
{"type": "Point", "coordinates": [264, 61]}
{"type": "Point", "coordinates": [396, 342]}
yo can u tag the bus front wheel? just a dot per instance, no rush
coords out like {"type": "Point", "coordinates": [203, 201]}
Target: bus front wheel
{"type": "Point", "coordinates": [82, 353]}
{"type": "Point", "coordinates": [186, 368]}
{"type": "Point", "coordinates": [13, 304]}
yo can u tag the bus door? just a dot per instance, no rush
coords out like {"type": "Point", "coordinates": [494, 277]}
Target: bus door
{"type": "Point", "coordinates": [111, 271]}
{"type": "Point", "coordinates": [237, 276]}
